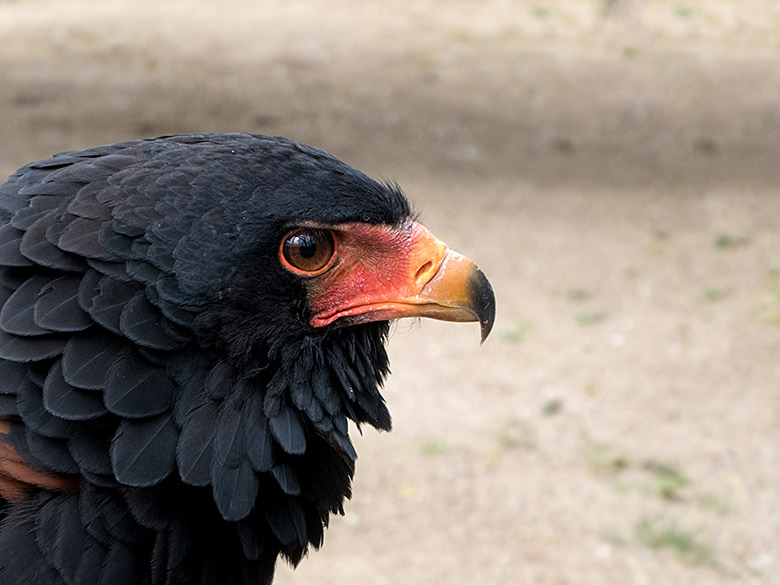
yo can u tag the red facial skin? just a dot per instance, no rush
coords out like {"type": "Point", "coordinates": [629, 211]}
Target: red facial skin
{"type": "Point", "coordinates": [380, 273]}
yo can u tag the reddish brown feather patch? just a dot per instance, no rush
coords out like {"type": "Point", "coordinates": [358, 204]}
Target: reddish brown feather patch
{"type": "Point", "coordinates": [17, 478]}
{"type": "Point", "coordinates": [10, 489]}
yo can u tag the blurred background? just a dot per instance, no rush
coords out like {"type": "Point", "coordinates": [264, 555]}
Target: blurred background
{"type": "Point", "coordinates": [613, 167]}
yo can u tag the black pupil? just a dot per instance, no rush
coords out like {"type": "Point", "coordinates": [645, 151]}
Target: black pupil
{"type": "Point", "coordinates": [307, 245]}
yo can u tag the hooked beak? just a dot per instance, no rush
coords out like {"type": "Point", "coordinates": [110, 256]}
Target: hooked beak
{"type": "Point", "coordinates": [459, 291]}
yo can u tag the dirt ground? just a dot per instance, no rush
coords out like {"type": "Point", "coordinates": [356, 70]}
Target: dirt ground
{"type": "Point", "coordinates": [612, 166]}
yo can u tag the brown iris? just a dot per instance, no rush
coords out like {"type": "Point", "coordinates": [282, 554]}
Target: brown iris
{"type": "Point", "coordinates": [308, 250]}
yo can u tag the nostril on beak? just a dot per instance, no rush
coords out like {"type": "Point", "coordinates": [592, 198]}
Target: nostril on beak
{"type": "Point", "coordinates": [424, 274]}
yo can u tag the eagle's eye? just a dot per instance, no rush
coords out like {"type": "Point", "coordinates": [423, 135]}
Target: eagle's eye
{"type": "Point", "coordinates": [308, 251]}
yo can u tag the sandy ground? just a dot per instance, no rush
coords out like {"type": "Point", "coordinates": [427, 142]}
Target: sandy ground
{"type": "Point", "coordinates": [612, 169]}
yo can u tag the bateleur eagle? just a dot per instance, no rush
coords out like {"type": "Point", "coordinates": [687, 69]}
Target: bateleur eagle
{"type": "Point", "coordinates": [187, 324]}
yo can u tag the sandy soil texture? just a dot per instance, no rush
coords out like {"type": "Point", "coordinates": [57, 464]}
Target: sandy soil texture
{"type": "Point", "coordinates": [612, 166]}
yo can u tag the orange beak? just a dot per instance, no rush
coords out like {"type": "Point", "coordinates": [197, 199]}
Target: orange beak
{"type": "Point", "coordinates": [387, 273]}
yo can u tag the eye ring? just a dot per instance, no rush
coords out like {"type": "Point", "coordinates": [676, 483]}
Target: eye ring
{"type": "Point", "coordinates": [308, 251]}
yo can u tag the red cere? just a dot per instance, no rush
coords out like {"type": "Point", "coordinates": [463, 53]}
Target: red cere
{"type": "Point", "coordinates": [376, 265]}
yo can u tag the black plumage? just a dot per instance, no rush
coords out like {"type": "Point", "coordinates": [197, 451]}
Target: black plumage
{"type": "Point", "coordinates": [57, 308]}
{"type": "Point", "coordinates": [169, 414]}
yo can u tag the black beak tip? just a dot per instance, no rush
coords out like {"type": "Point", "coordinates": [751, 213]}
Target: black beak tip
{"type": "Point", "coordinates": [483, 302]}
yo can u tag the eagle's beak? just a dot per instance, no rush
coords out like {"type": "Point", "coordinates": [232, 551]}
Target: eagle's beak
{"type": "Point", "coordinates": [458, 291]}
{"type": "Point", "coordinates": [411, 274]}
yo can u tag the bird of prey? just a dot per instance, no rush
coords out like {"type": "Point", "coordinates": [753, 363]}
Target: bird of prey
{"type": "Point", "coordinates": [187, 324]}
